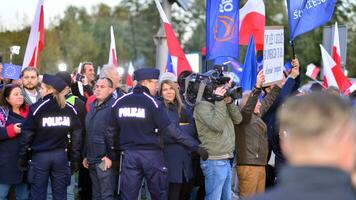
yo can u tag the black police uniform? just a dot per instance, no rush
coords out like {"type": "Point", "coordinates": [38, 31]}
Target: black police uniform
{"type": "Point", "coordinates": [46, 132]}
{"type": "Point", "coordinates": [138, 118]}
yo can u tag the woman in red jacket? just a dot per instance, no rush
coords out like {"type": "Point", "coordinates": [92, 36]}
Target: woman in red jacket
{"type": "Point", "coordinates": [13, 111]}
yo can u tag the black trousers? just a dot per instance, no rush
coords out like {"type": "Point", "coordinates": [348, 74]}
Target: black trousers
{"type": "Point", "coordinates": [180, 191]}
{"type": "Point", "coordinates": [103, 182]}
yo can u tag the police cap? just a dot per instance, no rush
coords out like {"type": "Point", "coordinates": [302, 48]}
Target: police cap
{"type": "Point", "coordinates": [65, 76]}
{"type": "Point", "coordinates": [146, 73]}
{"type": "Point", "coordinates": [54, 81]}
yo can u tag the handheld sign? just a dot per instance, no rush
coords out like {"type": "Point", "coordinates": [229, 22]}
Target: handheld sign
{"type": "Point", "coordinates": [273, 55]}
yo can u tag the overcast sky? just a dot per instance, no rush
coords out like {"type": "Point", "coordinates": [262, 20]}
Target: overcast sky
{"type": "Point", "coordinates": [14, 14]}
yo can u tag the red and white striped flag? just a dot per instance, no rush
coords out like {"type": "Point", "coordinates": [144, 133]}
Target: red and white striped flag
{"type": "Point", "coordinates": [312, 71]}
{"type": "Point", "coordinates": [252, 22]}
{"type": "Point", "coordinates": [335, 52]}
{"type": "Point", "coordinates": [35, 41]}
{"type": "Point", "coordinates": [129, 79]}
{"type": "Point", "coordinates": [112, 51]}
{"type": "Point", "coordinates": [333, 76]}
{"type": "Point", "coordinates": [174, 48]}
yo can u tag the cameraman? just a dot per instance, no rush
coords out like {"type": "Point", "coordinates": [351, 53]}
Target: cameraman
{"type": "Point", "coordinates": [214, 120]}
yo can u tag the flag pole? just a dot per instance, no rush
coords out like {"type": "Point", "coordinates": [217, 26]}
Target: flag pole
{"type": "Point", "coordinates": [293, 51]}
{"type": "Point", "coordinates": [36, 52]}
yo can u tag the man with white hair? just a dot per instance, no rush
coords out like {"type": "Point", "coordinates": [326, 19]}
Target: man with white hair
{"type": "Point", "coordinates": [318, 138]}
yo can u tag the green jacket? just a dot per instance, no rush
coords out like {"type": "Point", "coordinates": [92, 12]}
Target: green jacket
{"type": "Point", "coordinates": [215, 125]}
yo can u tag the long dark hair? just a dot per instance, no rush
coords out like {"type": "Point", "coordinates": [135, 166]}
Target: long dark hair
{"type": "Point", "coordinates": [177, 100]}
{"type": "Point", "coordinates": [5, 93]}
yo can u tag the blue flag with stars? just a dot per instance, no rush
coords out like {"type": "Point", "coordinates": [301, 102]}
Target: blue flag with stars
{"type": "Point", "coordinates": [11, 71]}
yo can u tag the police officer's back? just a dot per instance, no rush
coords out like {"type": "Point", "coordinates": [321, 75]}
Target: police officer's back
{"type": "Point", "coordinates": [46, 132]}
{"type": "Point", "coordinates": [139, 118]}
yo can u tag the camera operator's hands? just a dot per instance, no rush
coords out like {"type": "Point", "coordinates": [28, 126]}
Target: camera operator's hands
{"type": "Point", "coordinates": [260, 79]}
{"type": "Point", "coordinates": [228, 100]}
{"type": "Point", "coordinates": [203, 153]}
{"type": "Point", "coordinates": [220, 91]}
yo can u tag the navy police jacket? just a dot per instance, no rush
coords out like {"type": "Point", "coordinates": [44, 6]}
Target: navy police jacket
{"type": "Point", "coordinates": [177, 156]}
{"type": "Point", "coordinates": [138, 118]}
{"type": "Point", "coordinates": [96, 122]}
{"type": "Point", "coordinates": [49, 127]}
{"type": "Point", "coordinates": [10, 147]}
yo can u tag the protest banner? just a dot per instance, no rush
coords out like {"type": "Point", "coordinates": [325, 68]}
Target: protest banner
{"type": "Point", "coordinates": [273, 54]}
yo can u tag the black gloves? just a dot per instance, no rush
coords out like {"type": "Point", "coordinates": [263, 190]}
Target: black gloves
{"type": "Point", "coordinates": [74, 167]}
{"type": "Point", "coordinates": [22, 164]}
{"type": "Point", "coordinates": [203, 153]}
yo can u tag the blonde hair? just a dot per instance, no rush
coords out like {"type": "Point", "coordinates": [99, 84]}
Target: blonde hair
{"type": "Point", "coordinates": [177, 100]}
{"type": "Point", "coordinates": [61, 101]}
{"type": "Point", "coordinates": [308, 117]}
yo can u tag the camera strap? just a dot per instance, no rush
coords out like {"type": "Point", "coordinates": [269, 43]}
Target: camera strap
{"type": "Point", "coordinates": [201, 91]}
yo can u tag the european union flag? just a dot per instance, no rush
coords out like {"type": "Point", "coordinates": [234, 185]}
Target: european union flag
{"type": "Point", "coordinates": [222, 29]}
{"type": "Point", "coordinates": [11, 71]}
{"type": "Point", "coordinates": [306, 15]}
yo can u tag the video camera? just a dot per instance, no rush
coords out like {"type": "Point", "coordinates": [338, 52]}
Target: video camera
{"type": "Point", "coordinates": [203, 85]}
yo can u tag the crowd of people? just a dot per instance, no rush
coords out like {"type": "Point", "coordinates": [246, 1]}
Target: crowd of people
{"type": "Point", "coordinates": [82, 136]}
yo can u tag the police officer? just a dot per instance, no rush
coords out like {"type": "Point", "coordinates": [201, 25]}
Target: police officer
{"type": "Point", "coordinates": [139, 119]}
{"type": "Point", "coordinates": [46, 132]}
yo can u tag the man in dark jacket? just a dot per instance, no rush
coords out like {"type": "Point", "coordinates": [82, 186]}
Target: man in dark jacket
{"type": "Point", "coordinates": [319, 141]}
{"type": "Point", "coordinates": [96, 121]}
{"type": "Point", "coordinates": [289, 87]}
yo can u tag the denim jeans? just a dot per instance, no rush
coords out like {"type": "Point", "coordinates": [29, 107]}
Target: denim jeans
{"type": "Point", "coordinates": [217, 179]}
{"type": "Point", "coordinates": [22, 191]}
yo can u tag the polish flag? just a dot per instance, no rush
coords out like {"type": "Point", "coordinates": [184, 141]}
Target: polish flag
{"type": "Point", "coordinates": [252, 21]}
{"type": "Point", "coordinates": [35, 41]}
{"type": "Point", "coordinates": [335, 54]}
{"type": "Point", "coordinates": [350, 90]}
{"type": "Point", "coordinates": [129, 79]}
{"type": "Point", "coordinates": [179, 60]}
{"type": "Point", "coordinates": [112, 51]}
{"type": "Point", "coordinates": [333, 76]}
{"type": "Point", "coordinates": [312, 71]}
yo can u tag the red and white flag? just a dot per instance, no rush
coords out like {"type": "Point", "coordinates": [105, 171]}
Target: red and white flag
{"type": "Point", "coordinates": [35, 41]}
{"type": "Point", "coordinates": [252, 22]}
{"type": "Point", "coordinates": [333, 76]}
{"type": "Point", "coordinates": [174, 48]}
{"type": "Point", "coordinates": [312, 71]}
{"type": "Point", "coordinates": [129, 79]}
{"type": "Point", "coordinates": [335, 54]}
{"type": "Point", "coordinates": [112, 51]}
{"type": "Point", "coordinates": [350, 90]}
